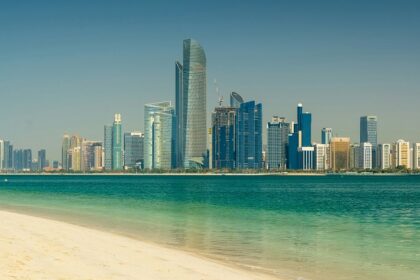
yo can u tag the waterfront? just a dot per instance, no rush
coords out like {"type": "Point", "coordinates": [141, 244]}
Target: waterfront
{"type": "Point", "coordinates": [324, 227]}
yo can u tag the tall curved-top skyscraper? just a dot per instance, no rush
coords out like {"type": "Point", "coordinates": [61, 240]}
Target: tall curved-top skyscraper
{"type": "Point", "coordinates": [194, 100]}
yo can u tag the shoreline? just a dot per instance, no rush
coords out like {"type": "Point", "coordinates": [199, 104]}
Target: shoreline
{"type": "Point", "coordinates": [282, 174]}
{"type": "Point", "coordinates": [40, 248]}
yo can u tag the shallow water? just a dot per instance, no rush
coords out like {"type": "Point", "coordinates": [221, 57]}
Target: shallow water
{"type": "Point", "coordinates": [311, 227]}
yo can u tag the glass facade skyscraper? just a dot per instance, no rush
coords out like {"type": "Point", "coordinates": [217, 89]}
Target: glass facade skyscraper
{"type": "Point", "coordinates": [235, 100]}
{"type": "Point", "coordinates": [369, 134]}
{"type": "Point", "coordinates": [180, 112]}
{"type": "Point", "coordinates": [301, 137]}
{"type": "Point", "coordinates": [223, 137]}
{"type": "Point", "coordinates": [133, 149]}
{"type": "Point", "coordinates": [249, 135]}
{"type": "Point", "coordinates": [108, 147]}
{"type": "Point", "coordinates": [194, 103]}
{"type": "Point", "coordinates": [64, 152]}
{"type": "Point", "coordinates": [277, 140]}
{"type": "Point", "coordinates": [158, 136]}
{"type": "Point", "coordinates": [117, 143]}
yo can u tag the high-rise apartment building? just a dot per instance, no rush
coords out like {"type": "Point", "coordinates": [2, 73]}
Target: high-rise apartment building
{"type": "Point", "coordinates": [191, 105]}
{"type": "Point", "coordinates": [354, 156]}
{"type": "Point", "coordinates": [158, 136]}
{"type": "Point", "coordinates": [133, 150]}
{"type": "Point", "coordinates": [91, 156]}
{"type": "Point", "coordinates": [223, 137]}
{"type": "Point", "coordinates": [340, 153]}
{"type": "Point", "coordinates": [321, 157]}
{"type": "Point", "coordinates": [326, 135]}
{"type": "Point", "coordinates": [365, 156]}
{"type": "Point", "coordinates": [277, 140]}
{"type": "Point", "coordinates": [401, 154]}
{"type": "Point", "coordinates": [384, 160]}
{"type": "Point", "coordinates": [369, 134]}
{"type": "Point", "coordinates": [249, 135]}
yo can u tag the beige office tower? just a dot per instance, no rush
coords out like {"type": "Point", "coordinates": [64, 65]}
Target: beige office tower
{"type": "Point", "coordinates": [401, 154]}
{"type": "Point", "coordinates": [340, 153]}
{"type": "Point", "coordinates": [76, 158]}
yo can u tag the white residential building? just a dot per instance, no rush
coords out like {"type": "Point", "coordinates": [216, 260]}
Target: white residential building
{"type": "Point", "coordinates": [321, 156]}
{"type": "Point", "coordinates": [365, 156]}
{"type": "Point", "coordinates": [384, 156]}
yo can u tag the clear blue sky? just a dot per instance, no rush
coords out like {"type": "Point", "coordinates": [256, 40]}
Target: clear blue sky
{"type": "Point", "coordinates": [68, 66]}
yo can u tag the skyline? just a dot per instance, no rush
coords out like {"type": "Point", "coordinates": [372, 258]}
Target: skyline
{"type": "Point", "coordinates": [73, 76]}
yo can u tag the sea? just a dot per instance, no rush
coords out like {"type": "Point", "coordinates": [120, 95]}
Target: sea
{"type": "Point", "coordinates": [293, 227]}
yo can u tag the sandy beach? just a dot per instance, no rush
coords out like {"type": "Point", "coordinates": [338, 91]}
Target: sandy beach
{"type": "Point", "coordinates": [38, 248]}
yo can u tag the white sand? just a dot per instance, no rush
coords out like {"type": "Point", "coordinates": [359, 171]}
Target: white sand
{"type": "Point", "coordinates": [37, 248]}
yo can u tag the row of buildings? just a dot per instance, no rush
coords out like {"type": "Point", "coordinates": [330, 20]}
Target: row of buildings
{"type": "Point", "coordinates": [12, 159]}
{"type": "Point", "coordinates": [178, 137]}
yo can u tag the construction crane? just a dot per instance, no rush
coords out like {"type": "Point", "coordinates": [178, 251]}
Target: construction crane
{"type": "Point", "coordinates": [220, 98]}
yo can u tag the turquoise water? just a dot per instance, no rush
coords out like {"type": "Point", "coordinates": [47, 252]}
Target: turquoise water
{"type": "Point", "coordinates": [311, 227]}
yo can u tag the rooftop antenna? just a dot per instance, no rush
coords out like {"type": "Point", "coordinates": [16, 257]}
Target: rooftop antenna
{"type": "Point", "coordinates": [220, 100]}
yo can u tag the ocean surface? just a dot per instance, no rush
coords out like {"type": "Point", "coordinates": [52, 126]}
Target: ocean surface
{"type": "Point", "coordinates": [319, 228]}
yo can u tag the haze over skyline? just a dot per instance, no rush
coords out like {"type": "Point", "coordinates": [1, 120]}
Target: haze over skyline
{"type": "Point", "coordinates": [69, 66]}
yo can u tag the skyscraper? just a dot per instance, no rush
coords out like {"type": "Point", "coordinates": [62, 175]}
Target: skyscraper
{"type": "Point", "coordinates": [326, 135]}
{"type": "Point", "coordinates": [64, 152]}
{"type": "Point", "coordinates": [235, 100]}
{"type": "Point", "coordinates": [180, 112]}
{"type": "Point", "coordinates": [117, 143]}
{"type": "Point", "coordinates": [1, 154]}
{"type": "Point", "coordinates": [277, 140]}
{"type": "Point", "coordinates": [8, 155]}
{"type": "Point", "coordinates": [194, 103]}
{"type": "Point", "coordinates": [300, 137]}
{"type": "Point", "coordinates": [108, 147]}
{"type": "Point", "coordinates": [158, 135]}
{"type": "Point", "coordinates": [42, 159]}
{"type": "Point", "coordinates": [27, 160]}
{"type": "Point", "coordinates": [340, 153]}
{"type": "Point", "coordinates": [133, 150]}
{"type": "Point", "coordinates": [223, 137]}
{"type": "Point", "coordinates": [249, 135]}
{"type": "Point", "coordinates": [292, 150]}
{"type": "Point", "coordinates": [369, 134]}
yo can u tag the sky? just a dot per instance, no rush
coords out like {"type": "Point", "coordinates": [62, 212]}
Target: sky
{"type": "Point", "coordinates": [68, 66]}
